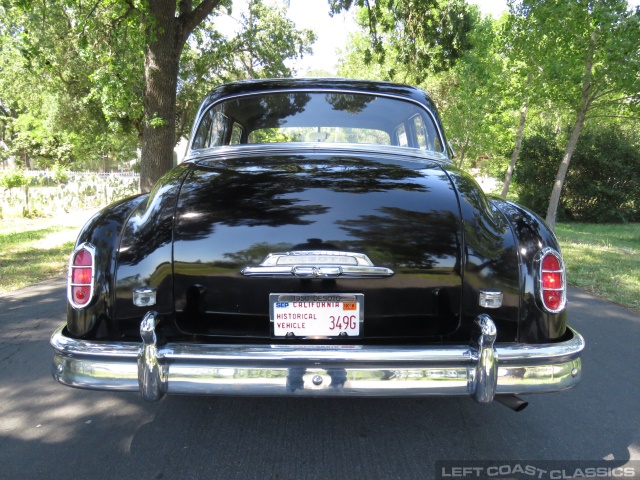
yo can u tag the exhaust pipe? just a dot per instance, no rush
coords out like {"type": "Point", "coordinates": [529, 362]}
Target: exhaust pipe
{"type": "Point", "coordinates": [513, 402]}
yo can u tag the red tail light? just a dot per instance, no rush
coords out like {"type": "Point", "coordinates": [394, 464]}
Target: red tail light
{"type": "Point", "coordinates": [552, 283]}
{"type": "Point", "coordinates": [81, 275]}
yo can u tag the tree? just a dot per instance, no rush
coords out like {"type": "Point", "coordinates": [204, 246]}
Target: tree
{"type": "Point", "coordinates": [56, 80]}
{"type": "Point", "coordinates": [601, 186]}
{"type": "Point", "coordinates": [166, 36]}
{"type": "Point", "coordinates": [120, 64]}
{"type": "Point", "coordinates": [353, 61]}
{"type": "Point", "coordinates": [419, 35]}
{"type": "Point", "coordinates": [468, 92]}
{"type": "Point", "coordinates": [516, 150]}
{"type": "Point", "coordinates": [265, 39]}
{"type": "Point", "coordinates": [603, 183]}
{"type": "Point", "coordinates": [587, 53]}
{"type": "Point", "coordinates": [471, 95]}
{"type": "Point", "coordinates": [516, 47]}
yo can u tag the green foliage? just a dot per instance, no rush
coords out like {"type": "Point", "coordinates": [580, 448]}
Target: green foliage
{"type": "Point", "coordinates": [470, 93]}
{"type": "Point", "coordinates": [265, 39]}
{"type": "Point", "coordinates": [604, 182]}
{"type": "Point", "coordinates": [476, 112]}
{"type": "Point", "coordinates": [354, 63]}
{"type": "Point", "coordinates": [13, 179]}
{"type": "Point", "coordinates": [555, 38]}
{"type": "Point", "coordinates": [43, 145]}
{"type": "Point", "coordinates": [60, 175]}
{"type": "Point", "coordinates": [559, 61]}
{"type": "Point", "coordinates": [585, 59]}
{"type": "Point", "coordinates": [58, 65]}
{"type": "Point", "coordinates": [319, 73]}
{"type": "Point", "coordinates": [72, 74]}
{"type": "Point", "coordinates": [157, 122]}
{"type": "Point", "coordinates": [602, 186]}
{"type": "Point", "coordinates": [273, 135]}
{"type": "Point", "coordinates": [420, 35]}
{"type": "Point", "coordinates": [536, 171]}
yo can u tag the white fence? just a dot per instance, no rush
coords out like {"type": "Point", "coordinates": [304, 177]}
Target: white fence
{"type": "Point", "coordinates": [49, 173]}
{"type": "Point", "coordinates": [76, 191]}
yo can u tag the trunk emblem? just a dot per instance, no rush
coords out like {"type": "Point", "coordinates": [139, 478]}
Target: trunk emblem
{"type": "Point", "coordinates": [317, 264]}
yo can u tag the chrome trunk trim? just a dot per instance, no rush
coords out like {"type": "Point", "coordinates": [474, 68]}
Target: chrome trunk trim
{"type": "Point", "coordinates": [318, 271]}
{"type": "Point", "coordinates": [317, 264]}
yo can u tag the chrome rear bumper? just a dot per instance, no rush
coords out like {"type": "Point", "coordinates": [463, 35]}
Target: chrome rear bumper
{"type": "Point", "coordinates": [480, 369]}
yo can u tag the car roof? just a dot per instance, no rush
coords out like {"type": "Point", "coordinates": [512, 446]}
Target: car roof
{"type": "Point", "coordinates": [339, 84]}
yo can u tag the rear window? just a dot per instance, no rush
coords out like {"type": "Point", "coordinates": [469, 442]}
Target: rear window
{"type": "Point", "coordinates": [315, 117]}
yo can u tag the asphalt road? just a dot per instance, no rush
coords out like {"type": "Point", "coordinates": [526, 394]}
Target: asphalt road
{"type": "Point", "coordinates": [48, 431]}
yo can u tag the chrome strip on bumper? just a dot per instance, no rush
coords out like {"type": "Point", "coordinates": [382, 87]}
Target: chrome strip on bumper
{"type": "Point", "coordinates": [480, 369]}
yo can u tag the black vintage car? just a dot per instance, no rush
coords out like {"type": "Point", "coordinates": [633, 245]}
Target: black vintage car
{"type": "Point", "coordinates": [317, 240]}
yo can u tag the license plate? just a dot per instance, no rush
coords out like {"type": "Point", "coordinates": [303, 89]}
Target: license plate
{"type": "Point", "coordinates": [316, 315]}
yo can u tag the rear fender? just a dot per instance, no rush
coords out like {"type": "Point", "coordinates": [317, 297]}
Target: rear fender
{"type": "Point", "coordinates": [533, 235]}
{"type": "Point", "coordinates": [490, 259]}
{"type": "Point", "coordinates": [145, 256]}
{"type": "Point", "coordinates": [103, 231]}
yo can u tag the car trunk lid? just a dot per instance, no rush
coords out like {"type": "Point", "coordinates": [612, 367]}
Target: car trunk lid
{"type": "Point", "coordinates": [384, 229]}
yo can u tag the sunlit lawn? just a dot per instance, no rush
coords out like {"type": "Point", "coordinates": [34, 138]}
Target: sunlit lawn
{"type": "Point", "coordinates": [603, 260]}
{"type": "Point", "coordinates": [32, 250]}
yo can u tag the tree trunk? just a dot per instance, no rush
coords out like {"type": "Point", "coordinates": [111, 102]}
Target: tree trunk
{"type": "Point", "coordinates": [585, 103]}
{"type": "Point", "coordinates": [554, 200]}
{"type": "Point", "coordinates": [161, 63]}
{"type": "Point", "coordinates": [26, 210]}
{"type": "Point", "coordinates": [516, 151]}
{"type": "Point", "coordinates": [462, 153]}
{"type": "Point", "coordinates": [166, 35]}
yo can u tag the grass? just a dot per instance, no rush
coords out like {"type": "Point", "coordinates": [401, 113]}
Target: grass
{"type": "Point", "coordinates": [32, 250]}
{"type": "Point", "coordinates": [603, 260]}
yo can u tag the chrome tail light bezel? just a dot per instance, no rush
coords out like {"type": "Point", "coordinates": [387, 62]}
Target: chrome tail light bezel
{"type": "Point", "coordinates": [91, 250]}
{"type": "Point", "coordinates": [540, 289]}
